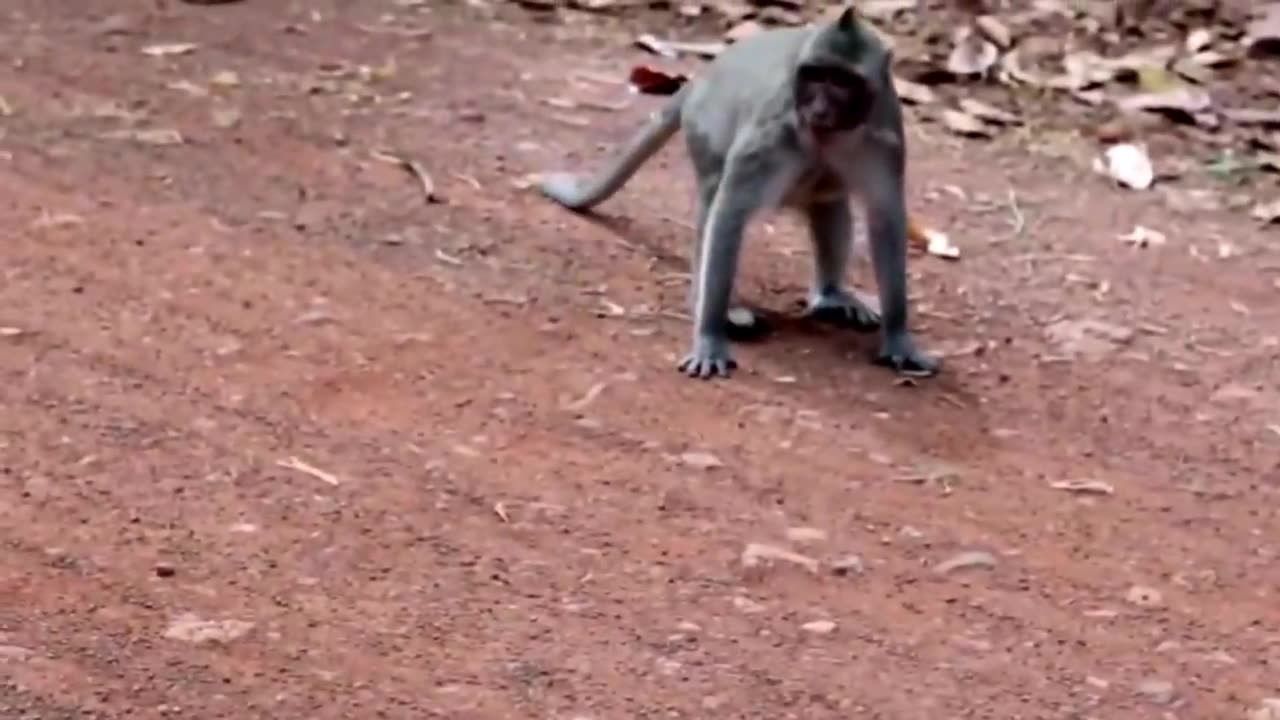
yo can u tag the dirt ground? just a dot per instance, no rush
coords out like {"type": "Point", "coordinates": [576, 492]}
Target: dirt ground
{"type": "Point", "coordinates": [507, 506]}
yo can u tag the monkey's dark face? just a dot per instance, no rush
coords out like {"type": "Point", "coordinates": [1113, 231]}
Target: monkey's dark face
{"type": "Point", "coordinates": [831, 99]}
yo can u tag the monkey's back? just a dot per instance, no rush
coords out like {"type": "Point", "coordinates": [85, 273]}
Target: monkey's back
{"type": "Point", "coordinates": [746, 86]}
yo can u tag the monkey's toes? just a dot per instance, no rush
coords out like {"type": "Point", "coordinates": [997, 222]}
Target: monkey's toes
{"type": "Point", "coordinates": [913, 363]}
{"type": "Point", "coordinates": [849, 317]}
{"type": "Point", "coordinates": [705, 368]}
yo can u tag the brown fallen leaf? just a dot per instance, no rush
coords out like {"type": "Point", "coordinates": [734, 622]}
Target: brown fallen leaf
{"type": "Point", "coordinates": [965, 124]}
{"type": "Point", "coordinates": [1085, 70]}
{"type": "Point", "coordinates": [167, 49]}
{"type": "Point", "coordinates": [1198, 39]}
{"type": "Point", "coordinates": [1184, 101]}
{"type": "Point", "coordinates": [1128, 164]}
{"type": "Point", "coordinates": [1262, 37]}
{"type": "Point", "coordinates": [1267, 212]}
{"type": "Point", "coordinates": [989, 113]}
{"type": "Point", "coordinates": [675, 48]}
{"type": "Point", "coordinates": [1084, 487]}
{"type": "Point", "coordinates": [1253, 116]}
{"type": "Point", "coordinates": [757, 554]}
{"type": "Point", "coordinates": [146, 137]}
{"type": "Point", "coordinates": [994, 30]}
{"type": "Point", "coordinates": [914, 93]}
{"type": "Point", "coordinates": [971, 54]}
{"type": "Point", "coordinates": [648, 81]}
{"type": "Point", "coordinates": [743, 30]}
{"type": "Point", "coordinates": [885, 10]}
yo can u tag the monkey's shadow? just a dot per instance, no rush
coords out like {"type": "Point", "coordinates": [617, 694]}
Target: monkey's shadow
{"type": "Point", "coordinates": [772, 324]}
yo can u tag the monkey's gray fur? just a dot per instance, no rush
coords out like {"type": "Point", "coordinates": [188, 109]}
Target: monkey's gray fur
{"type": "Point", "coordinates": [799, 118]}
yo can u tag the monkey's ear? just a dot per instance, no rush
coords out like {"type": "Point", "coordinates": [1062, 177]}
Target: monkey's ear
{"type": "Point", "coordinates": [848, 18]}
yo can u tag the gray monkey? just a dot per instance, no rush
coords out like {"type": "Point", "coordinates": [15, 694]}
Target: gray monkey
{"type": "Point", "coordinates": [796, 118]}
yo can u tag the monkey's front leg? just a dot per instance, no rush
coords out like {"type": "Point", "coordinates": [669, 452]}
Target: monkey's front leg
{"type": "Point", "coordinates": [831, 229]}
{"type": "Point", "coordinates": [887, 215]}
{"type": "Point", "coordinates": [722, 228]}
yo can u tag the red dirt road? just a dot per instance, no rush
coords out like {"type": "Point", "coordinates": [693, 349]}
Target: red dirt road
{"type": "Point", "coordinates": [516, 520]}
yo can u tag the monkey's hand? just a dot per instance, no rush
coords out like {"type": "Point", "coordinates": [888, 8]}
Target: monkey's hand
{"type": "Point", "coordinates": [842, 309]}
{"type": "Point", "coordinates": [900, 354]}
{"type": "Point", "coordinates": [710, 357]}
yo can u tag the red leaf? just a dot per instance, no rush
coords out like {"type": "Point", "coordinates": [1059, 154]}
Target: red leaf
{"type": "Point", "coordinates": [655, 82]}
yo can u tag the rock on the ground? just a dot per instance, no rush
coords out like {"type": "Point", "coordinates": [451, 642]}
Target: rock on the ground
{"type": "Point", "coordinates": [193, 629]}
{"type": "Point", "coordinates": [1158, 691]}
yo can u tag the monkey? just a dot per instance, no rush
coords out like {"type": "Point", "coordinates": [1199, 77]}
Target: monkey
{"type": "Point", "coordinates": [798, 119]}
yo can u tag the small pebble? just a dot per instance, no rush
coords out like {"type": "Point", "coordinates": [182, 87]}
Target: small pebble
{"type": "Point", "coordinates": [1157, 691]}
{"type": "Point", "coordinates": [819, 627]}
{"type": "Point", "coordinates": [806, 534]}
{"type": "Point", "coordinates": [1142, 596]}
{"type": "Point", "coordinates": [847, 565]}
{"type": "Point", "coordinates": [165, 571]}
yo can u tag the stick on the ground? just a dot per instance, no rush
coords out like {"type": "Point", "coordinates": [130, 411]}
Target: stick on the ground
{"type": "Point", "coordinates": [415, 168]}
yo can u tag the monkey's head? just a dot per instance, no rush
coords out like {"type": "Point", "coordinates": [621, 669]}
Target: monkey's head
{"type": "Point", "coordinates": [837, 76]}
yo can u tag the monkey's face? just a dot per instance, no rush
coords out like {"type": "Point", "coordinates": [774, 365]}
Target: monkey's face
{"type": "Point", "coordinates": [831, 99]}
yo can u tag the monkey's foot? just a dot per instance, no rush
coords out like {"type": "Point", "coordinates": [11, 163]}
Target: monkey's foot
{"type": "Point", "coordinates": [901, 356]}
{"type": "Point", "coordinates": [710, 357]}
{"type": "Point", "coordinates": [842, 309]}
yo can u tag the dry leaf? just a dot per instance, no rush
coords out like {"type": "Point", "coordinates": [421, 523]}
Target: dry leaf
{"type": "Point", "coordinates": [700, 460]}
{"type": "Point", "coordinates": [293, 463]}
{"type": "Point", "coordinates": [971, 559]}
{"type": "Point", "coordinates": [1013, 71]}
{"type": "Point", "coordinates": [913, 93]}
{"type": "Point", "coordinates": [972, 54]}
{"type": "Point", "coordinates": [674, 48]}
{"type": "Point", "coordinates": [414, 168]}
{"type": "Point", "coordinates": [1144, 237]}
{"type": "Point", "coordinates": [648, 81]}
{"type": "Point", "coordinates": [1128, 164]}
{"type": "Point", "coordinates": [1153, 79]}
{"type": "Point", "coordinates": [1085, 487]}
{"type": "Point", "coordinates": [989, 113]}
{"type": "Point", "coordinates": [1267, 212]}
{"type": "Point", "coordinates": [935, 242]}
{"type": "Point", "coordinates": [225, 78]}
{"type": "Point", "coordinates": [884, 10]}
{"type": "Point", "coordinates": [168, 49]}
{"type": "Point", "coordinates": [743, 30]}
{"type": "Point", "coordinates": [994, 30]}
{"type": "Point", "coordinates": [756, 554]}
{"type": "Point", "coordinates": [1085, 70]}
{"type": "Point", "coordinates": [1262, 38]}
{"type": "Point", "coordinates": [1253, 116]}
{"type": "Point", "coordinates": [1198, 39]}
{"type": "Point", "coordinates": [964, 124]}
{"type": "Point", "coordinates": [1184, 99]}
{"type": "Point", "coordinates": [146, 137]}
{"type": "Point", "coordinates": [225, 118]}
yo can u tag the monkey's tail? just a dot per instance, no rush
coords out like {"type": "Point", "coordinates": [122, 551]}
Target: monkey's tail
{"type": "Point", "coordinates": [578, 193]}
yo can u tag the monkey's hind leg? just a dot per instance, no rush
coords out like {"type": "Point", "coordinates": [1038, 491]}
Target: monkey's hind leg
{"type": "Point", "coordinates": [831, 229]}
